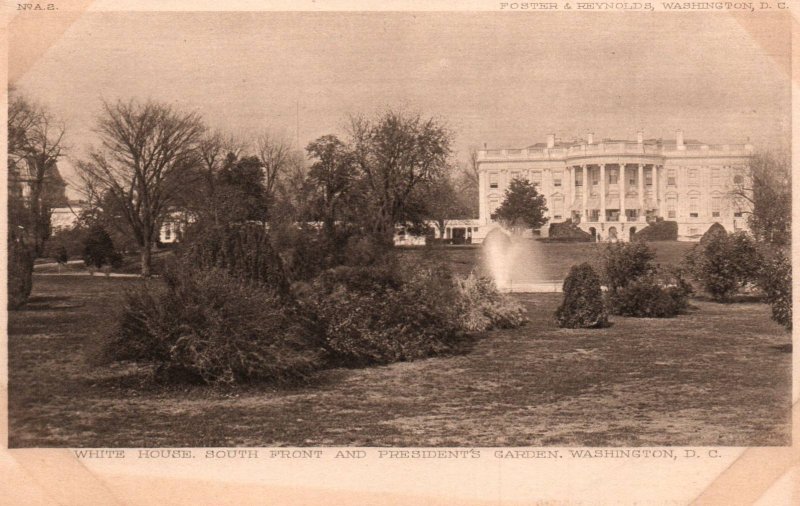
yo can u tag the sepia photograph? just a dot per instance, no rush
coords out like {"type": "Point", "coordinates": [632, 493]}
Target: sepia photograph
{"type": "Point", "coordinates": [401, 230]}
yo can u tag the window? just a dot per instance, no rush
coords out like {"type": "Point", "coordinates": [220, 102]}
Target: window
{"type": "Point", "coordinates": [671, 177]}
{"type": "Point", "coordinates": [648, 177]}
{"type": "Point", "coordinates": [514, 174]}
{"type": "Point", "coordinates": [493, 180]}
{"type": "Point", "coordinates": [694, 206]}
{"type": "Point", "coordinates": [716, 206]}
{"type": "Point", "coordinates": [694, 231]}
{"type": "Point", "coordinates": [632, 176]}
{"type": "Point", "coordinates": [558, 207]}
{"type": "Point", "coordinates": [612, 176]}
{"type": "Point", "coordinates": [494, 203]}
{"type": "Point", "coordinates": [167, 232]}
{"type": "Point", "coordinates": [579, 178]}
{"type": "Point", "coordinates": [693, 177]}
{"type": "Point", "coordinates": [715, 178]}
{"type": "Point", "coordinates": [672, 204]}
{"type": "Point", "coordinates": [595, 177]}
{"type": "Point", "coordinates": [536, 177]}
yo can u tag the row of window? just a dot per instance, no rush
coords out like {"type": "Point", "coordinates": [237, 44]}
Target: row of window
{"type": "Point", "coordinates": [693, 178]}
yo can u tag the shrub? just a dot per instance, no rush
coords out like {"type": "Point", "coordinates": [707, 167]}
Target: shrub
{"type": "Point", "coordinates": [243, 250]}
{"type": "Point", "coordinates": [625, 262]}
{"type": "Point", "coordinates": [644, 297]}
{"type": "Point", "coordinates": [775, 279]}
{"type": "Point", "coordinates": [62, 256]}
{"type": "Point", "coordinates": [20, 274]}
{"type": "Point", "coordinates": [582, 306]}
{"type": "Point", "coordinates": [481, 307]}
{"type": "Point", "coordinates": [715, 231]}
{"type": "Point", "coordinates": [722, 263]}
{"type": "Point", "coordinates": [98, 248]}
{"type": "Point", "coordinates": [210, 326]}
{"type": "Point", "coordinates": [370, 316]}
{"type": "Point", "coordinates": [658, 231]}
{"type": "Point", "coordinates": [567, 231]}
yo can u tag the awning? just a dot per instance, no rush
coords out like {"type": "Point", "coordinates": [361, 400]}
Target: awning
{"type": "Point", "coordinates": [612, 202]}
{"type": "Point", "coordinates": [593, 203]}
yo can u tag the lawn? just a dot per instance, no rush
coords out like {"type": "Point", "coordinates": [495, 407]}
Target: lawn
{"type": "Point", "coordinates": [719, 375]}
{"type": "Point", "coordinates": [540, 261]}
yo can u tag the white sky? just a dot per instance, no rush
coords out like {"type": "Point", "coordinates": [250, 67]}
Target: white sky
{"type": "Point", "coordinates": [502, 79]}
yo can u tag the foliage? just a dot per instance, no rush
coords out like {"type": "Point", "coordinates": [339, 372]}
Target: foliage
{"type": "Point", "coordinates": [98, 249]}
{"type": "Point", "coordinates": [70, 240]}
{"type": "Point", "coordinates": [625, 262]}
{"type": "Point", "coordinates": [582, 306]}
{"type": "Point", "coordinates": [396, 154]}
{"type": "Point", "coordinates": [724, 263]}
{"type": "Point", "coordinates": [62, 257]}
{"type": "Point", "coordinates": [210, 326]}
{"type": "Point", "coordinates": [658, 231]}
{"type": "Point", "coordinates": [244, 250]}
{"type": "Point", "coordinates": [372, 315]}
{"type": "Point", "coordinates": [766, 194]}
{"type": "Point", "coordinates": [646, 297]}
{"type": "Point", "coordinates": [481, 307]}
{"type": "Point", "coordinates": [19, 272]}
{"type": "Point", "coordinates": [240, 193]}
{"type": "Point", "coordinates": [775, 279]}
{"type": "Point", "coordinates": [522, 206]}
{"type": "Point", "coordinates": [332, 176]}
{"type": "Point", "coordinates": [715, 231]}
{"type": "Point", "coordinates": [567, 231]}
{"type": "Point", "coordinates": [443, 202]}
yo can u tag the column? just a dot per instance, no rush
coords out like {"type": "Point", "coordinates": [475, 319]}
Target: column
{"type": "Point", "coordinates": [585, 190]}
{"type": "Point", "coordinates": [640, 180]}
{"type": "Point", "coordinates": [602, 192]}
{"type": "Point", "coordinates": [657, 188]}
{"type": "Point", "coordinates": [571, 193]}
{"type": "Point", "coordinates": [622, 216]}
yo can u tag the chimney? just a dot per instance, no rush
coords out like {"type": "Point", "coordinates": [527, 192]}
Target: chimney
{"type": "Point", "coordinates": [640, 137]}
{"type": "Point", "coordinates": [679, 139]}
{"type": "Point", "coordinates": [590, 138]}
{"type": "Point", "coordinates": [551, 140]}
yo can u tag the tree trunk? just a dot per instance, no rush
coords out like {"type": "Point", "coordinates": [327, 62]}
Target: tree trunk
{"type": "Point", "coordinates": [146, 256]}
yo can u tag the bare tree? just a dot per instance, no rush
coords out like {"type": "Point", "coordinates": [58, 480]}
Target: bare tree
{"type": "Point", "coordinates": [275, 154]}
{"type": "Point", "coordinates": [148, 153]}
{"type": "Point", "coordinates": [764, 192]}
{"type": "Point", "coordinates": [35, 185]}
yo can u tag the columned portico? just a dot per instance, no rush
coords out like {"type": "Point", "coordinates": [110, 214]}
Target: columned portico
{"type": "Point", "coordinates": [640, 180]}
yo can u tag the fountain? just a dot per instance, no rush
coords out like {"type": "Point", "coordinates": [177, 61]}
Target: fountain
{"type": "Point", "coordinates": [511, 260]}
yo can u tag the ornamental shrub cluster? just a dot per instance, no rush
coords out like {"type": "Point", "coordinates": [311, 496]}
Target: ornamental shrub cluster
{"type": "Point", "coordinates": [638, 288]}
{"type": "Point", "coordinates": [723, 263]}
{"type": "Point", "coordinates": [226, 313]}
{"type": "Point", "coordinates": [658, 231]}
{"type": "Point", "coordinates": [775, 279]}
{"type": "Point", "coordinates": [567, 231]}
{"type": "Point", "coordinates": [481, 307]}
{"type": "Point", "coordinates": [98, 249]}
{"type": "Point", "coordinates": [582, 306]}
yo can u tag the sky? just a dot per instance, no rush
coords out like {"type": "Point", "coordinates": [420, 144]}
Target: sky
{"type": "Point", "coordinates": [504, 80]}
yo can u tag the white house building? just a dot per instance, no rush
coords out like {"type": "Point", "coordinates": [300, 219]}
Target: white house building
{"type": "Point", "coordinates": [614, 188]}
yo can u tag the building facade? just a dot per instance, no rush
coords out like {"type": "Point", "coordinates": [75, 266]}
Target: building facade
{"type": "Point", "coordinates": [614, 188]}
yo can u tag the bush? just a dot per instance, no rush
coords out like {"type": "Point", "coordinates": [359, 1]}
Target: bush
{"type": "Point", "coordinates": [98, 249]}
{"type": "Point", "coordinates": [723, 263]}
{"type": "Point", "coordinates": [243, 250]}
{"type": "Point", "coordinates": [567, 231]}
{"type": "Point", "coordinates": [658, 231]}
{"type": "Point", "coordinates": [645, 297]}
{"type": "Point", "coordinates": [20, 274]}
{"type": "Point", "coordinates": [481, 307]}
{"type": "Point", "coordinates": [582, 306]}
{"type": "Point", "coordinates": [626, 262]}
{"type": "Point", "coordinates": [775, 279]}
{"type": "Point", "coordinates": [62, 256]}
{"type": "Point", "coordinates": [369, 315]}
{"type": "Point", "coordinates": [210, 326]}
{"type": "Point", "coordinates": [714, 232]}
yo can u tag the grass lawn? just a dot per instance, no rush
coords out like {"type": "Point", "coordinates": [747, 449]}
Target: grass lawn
{"type": "Point", "coordinates": [540, 261]}
{"type": "Point", "coordinates": [719, 375]}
